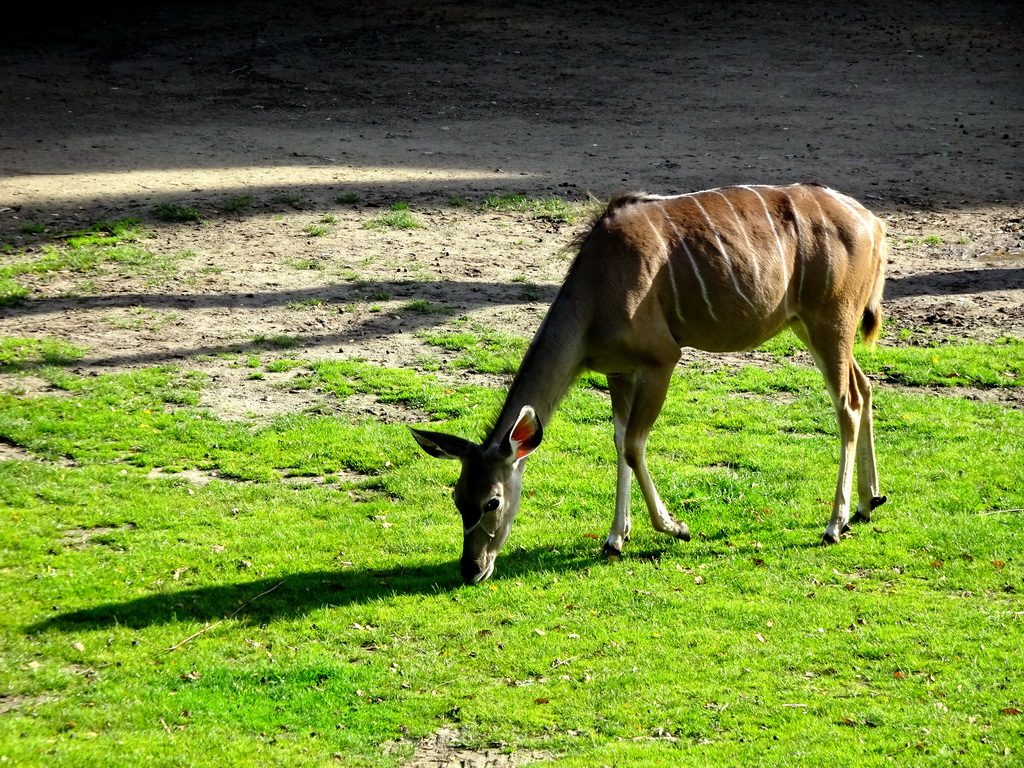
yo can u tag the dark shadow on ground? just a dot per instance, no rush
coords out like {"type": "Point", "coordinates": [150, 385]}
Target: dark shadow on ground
{"type": "Point", "coordinates": [451, 298]}
{"type": "Point", "coordinates": [953, 283]}
{"type": "Point", "coordinates": [295, 594]}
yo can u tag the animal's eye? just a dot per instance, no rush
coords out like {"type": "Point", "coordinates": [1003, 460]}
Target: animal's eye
{"type": "Point", "coordinates": [492, 504]}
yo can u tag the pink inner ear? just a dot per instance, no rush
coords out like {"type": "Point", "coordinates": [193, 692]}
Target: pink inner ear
{"type": "Point", "coordinates": [522, 432]}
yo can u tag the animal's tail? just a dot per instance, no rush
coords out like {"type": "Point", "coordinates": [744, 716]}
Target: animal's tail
{"type": "Point", "coordinates": [871, 321]}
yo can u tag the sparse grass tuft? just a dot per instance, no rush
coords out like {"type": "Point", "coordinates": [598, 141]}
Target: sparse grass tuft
{"type": "Point", "coordinates": [551, 208]}
{"type": "Point", "coordinates": [105, 243]}
{"type": "Point", "coordinates": [239, 203]}
{"type": "Point", "coordinates": [399, 217]}
{"type": "Point", "coordinates": [425, 307]}
{"type": "Point", "coordinates": [317, 230]}
{"type": "Point", "coordinates": [278, 341]}
{"type": "Point", "coordinates": [483, 349]}
{"type": "Point", "coordinates": [287, 198]}
{"type": "Point", "coordinates": [12, 292]}
{"type": "Point", "coordinates": [176, 212]}
{"type": "Point", "coordinates": [305, 304]}
{"type": "Point", "coordinates": [140, 317]}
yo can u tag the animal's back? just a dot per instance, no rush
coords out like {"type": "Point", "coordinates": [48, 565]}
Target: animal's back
{"type": "Point", "coordinates": [726, 269]}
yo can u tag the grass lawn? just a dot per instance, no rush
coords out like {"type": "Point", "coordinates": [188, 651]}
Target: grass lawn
{"type": "Point", "coordinates": [182, 590]}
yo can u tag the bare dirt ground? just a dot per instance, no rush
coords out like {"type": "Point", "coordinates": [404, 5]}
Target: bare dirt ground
{"type": "Point", "coordinates": [915, 109]}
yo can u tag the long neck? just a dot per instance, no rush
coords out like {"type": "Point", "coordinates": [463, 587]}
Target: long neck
{"type": "Point", "coordinates": [552, 363]}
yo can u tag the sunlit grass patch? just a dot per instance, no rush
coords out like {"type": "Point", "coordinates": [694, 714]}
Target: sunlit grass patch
{"type": "Point", "coordinates": [11, 292]}
{"type": "Point", "coordinates": [551, 208]}
{"type": "Point", "coordinates": [19, 354]}
{"type": "Point", "coordinates": [482, 349]}
{"type": "Point", "coordinates": [287, 592]}
{"type": "Point", "coordinates": [399, 217]}
{"type": "Point", "coordinates": [950, 365]}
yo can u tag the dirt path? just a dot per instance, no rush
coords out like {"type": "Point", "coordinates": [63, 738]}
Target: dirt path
{"type": "Point", "coordinates": [918, 114]}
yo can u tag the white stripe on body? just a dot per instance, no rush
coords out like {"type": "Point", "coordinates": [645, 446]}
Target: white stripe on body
{"type": "Point", "coordinates": [693, 265]}
{"type": "Point", "coordinates": [725, 254]}
{"type": "Point", "coordinates": [778, 242]}
{"type": "Point", "coordinates": [829, 253]}
{"type": "Point", "coordinates": [863, 214]}
{"type": "Point", "coordinates": [750, 246]}
{"type": "Point", "coordinates": [666, 253]}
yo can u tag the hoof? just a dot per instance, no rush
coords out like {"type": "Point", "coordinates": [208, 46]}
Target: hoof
{"type": "Point", "coordinates": [864, 517]}
{"type": "Point", "coordinates": [828, 539]}
{"type": "Point", "coordinates": [683, 532]}
{"type": "Point", "coordinates": [610, 553]}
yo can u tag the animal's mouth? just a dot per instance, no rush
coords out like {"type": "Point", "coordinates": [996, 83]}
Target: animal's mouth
{"type": "Point", "coordinates": [480, 575]}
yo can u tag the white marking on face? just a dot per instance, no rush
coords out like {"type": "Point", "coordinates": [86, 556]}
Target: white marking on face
{"type": "Point", "coordinates": [477, 524]}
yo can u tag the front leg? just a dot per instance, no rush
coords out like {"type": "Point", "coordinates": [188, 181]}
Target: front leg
{"type": "Point", "coordinates": [621, 524]}
{"type": "Point", "coordinates": [647, 395]}
{"type": "Point", "coordinates": [622, 389]}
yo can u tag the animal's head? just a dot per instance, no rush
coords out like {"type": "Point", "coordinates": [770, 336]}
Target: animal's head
{"type": "Point", "coordinates": [488, 489]}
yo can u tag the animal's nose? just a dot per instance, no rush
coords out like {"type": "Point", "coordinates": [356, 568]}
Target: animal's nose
{"type": "Point", "coordinates": [473, 571]}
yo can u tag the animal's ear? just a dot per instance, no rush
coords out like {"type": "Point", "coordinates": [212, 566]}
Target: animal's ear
{"type": "Point", "coordinates": [525, 435]}
{"type": "Point", "coordinates": [440, 445]}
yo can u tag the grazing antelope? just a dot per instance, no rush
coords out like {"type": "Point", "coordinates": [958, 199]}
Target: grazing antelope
{"type": "Point", "coordinates": [721, 270]}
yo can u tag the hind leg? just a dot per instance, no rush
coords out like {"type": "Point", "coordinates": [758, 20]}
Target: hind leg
{"type": "Point", "coordinates": [833, 355]}
{"type": "Point", "coordinates": [867, 471]}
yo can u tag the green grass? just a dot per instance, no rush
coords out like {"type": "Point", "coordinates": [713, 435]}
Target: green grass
{"type": "Point", "coordinates": [399, 217]}
{"type": "Point", "coordinates": [425, 307]}
{"type": "Point", "coordinates": [550, 208]}
{"type": "Point", "coordinates": [177, 212]}
{"type": "Point", "coordinates": [140, 317]}
{"type": "Point", "coordinates": [287, 198]}
{"type": "Point", "coordinates": [305, 304]}
{"type": "Point", "coordinates": [104, 245]}
{"type": "Point", "coordinates": [481, 349]}
{"type": "Point", "coordinates": [238, 203]}
{"type": "Point", "coordinates": [183, 590]}
{"type": "Point", "coordinates": [952, 364]}
{"type": "Point", "coordinates": [12, 292]}
{"type": "Point", "coordinates": [277, 341]}
{"type": "Point", "coordinates": [29, 354]}
{"type": "Point", "coordinates": [107, 233]}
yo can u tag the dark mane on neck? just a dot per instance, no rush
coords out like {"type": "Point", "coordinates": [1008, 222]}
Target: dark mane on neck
{"type": "Point", "coordinates": [614, 205]}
